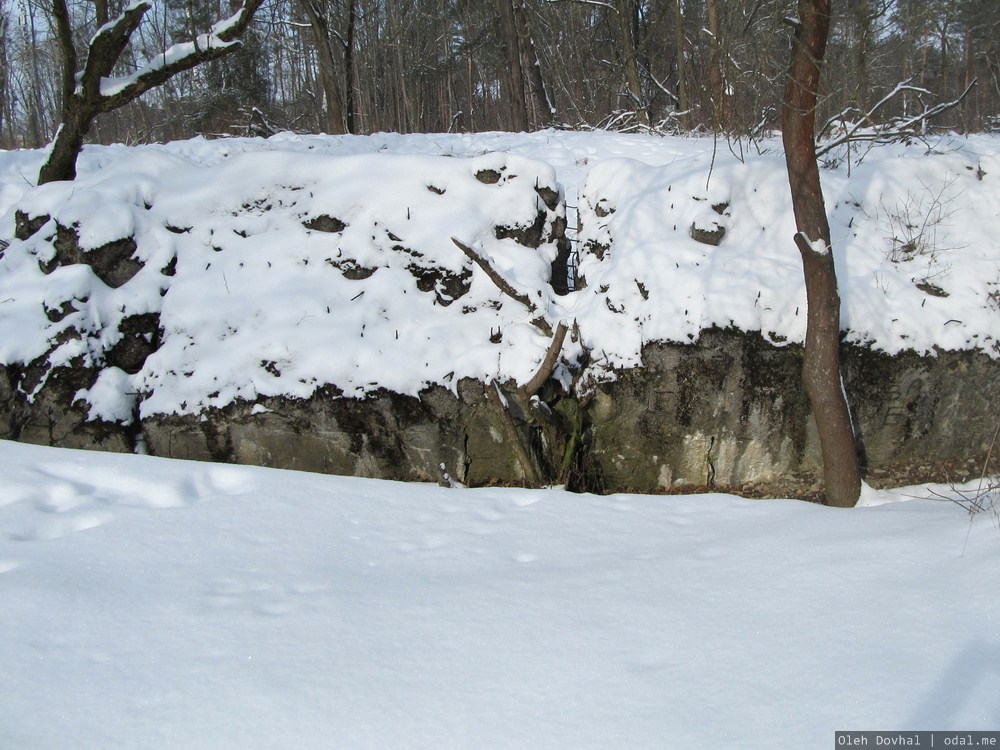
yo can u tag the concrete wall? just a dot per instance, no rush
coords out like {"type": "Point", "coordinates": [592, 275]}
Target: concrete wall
{"type": "Point", "coordinates": [726, 413]}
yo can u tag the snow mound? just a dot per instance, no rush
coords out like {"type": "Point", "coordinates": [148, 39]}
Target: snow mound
{"type": "Point", "coordinates": [671, 250]}
{"type": "Point", "coordinates": [254, 267]}
{"type": "Point", "coordinates": [277, 273]}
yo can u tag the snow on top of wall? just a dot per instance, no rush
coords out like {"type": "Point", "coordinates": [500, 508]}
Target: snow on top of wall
{"type": "Point", "coordinates": [275, 273]}
{"type": "Point", "coordinates": [916, 241]}
{"type": "Point", "coordinates": [282, 265]}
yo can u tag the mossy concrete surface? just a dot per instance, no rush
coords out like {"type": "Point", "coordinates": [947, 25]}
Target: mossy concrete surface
{"type": "Point", "coordinates": [724, 413]}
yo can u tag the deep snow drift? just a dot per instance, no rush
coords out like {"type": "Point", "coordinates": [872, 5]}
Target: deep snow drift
{"type": "Point", "coordinates": [162, 604]}
{"type": "Point", "coordinates": [255, 298]}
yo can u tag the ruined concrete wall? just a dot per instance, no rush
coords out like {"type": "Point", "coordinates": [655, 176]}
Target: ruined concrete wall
{"type": "Point", "coordinates": [386, 436]}
{"type": "Point", "coordinates": [729, 412]}
{"type": "Point", "coordinates": [923, 419]}
{"type": "Point", "coordinates": [51, 415]}
{"type": "Point", "coordinates": [725, 413]}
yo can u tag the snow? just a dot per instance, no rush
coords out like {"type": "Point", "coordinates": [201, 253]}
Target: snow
{"type": "Point", "coordinates": [151, 603]}
{"type": "Point", "coordinates": [263, 303]}
{"type": "Point", "coordinates": [818, 246]}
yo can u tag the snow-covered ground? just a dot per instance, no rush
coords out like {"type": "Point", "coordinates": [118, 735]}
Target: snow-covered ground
{"type": "Point", "coordinates": [157, 604]}
{"type": "Point", "coordinates": [150, 603]}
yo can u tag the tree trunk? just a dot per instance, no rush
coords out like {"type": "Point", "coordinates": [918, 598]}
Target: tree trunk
{"type": "Point", "coordinates": [334, 120]}
{"type": "Point", "coordinates": [680, 52]}
{"type": "Point", "coordinates": [862, 21]}
{"type": "Point", "coordinates": [544, 111]}
{"type": "Point", "coordinates": [821, 361]}
{"type": "Point", "coordinates": [519, 100]}
{"type": "Point", "coordinates": [716, 80]}
{"type": "Point", "coordinates": [349, 64]}
{"type": "Point", "coordinates": [625, 16]}
{"type": "Point", "coordinates": [61, 163]}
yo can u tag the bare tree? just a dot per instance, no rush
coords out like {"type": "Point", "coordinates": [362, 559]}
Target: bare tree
{"type": "Point", "coordinates": [821, 374]}
{"type": "Point", "coordinates": [626, 16]}
{"type": "Point", "coordinates": [92, 91]}
{"type": "Point", "coordinates": [542, 102]}
{"type": "Point", "coordinates": [326, 55]}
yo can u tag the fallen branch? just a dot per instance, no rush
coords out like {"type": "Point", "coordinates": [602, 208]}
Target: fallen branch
{"type": "Point", "coordinates": [503, 285]}
{"type": "Point", "coordinates": [548, 364]}
{"type": "Point", "coordinates": [520, 450]}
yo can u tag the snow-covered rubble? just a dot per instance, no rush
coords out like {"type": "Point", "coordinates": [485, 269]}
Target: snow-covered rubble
{"type": "Point", "coordinates": [916, 237]}
{"type": "Point", "coordinates": [274, 273]}
{"type": "Point", "coordinates": [274, 267]}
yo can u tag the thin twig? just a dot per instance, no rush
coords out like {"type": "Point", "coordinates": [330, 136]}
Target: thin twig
{"type": "Point", "coordinates": [893, 129]}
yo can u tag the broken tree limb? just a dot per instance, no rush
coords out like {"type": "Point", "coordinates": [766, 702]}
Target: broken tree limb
{"type": "Point", "coordinates": [503, 285]}
{"type": "Point", "coordinates": [520, 450]}
{"type": "Point", "coordinates": [548, 363]}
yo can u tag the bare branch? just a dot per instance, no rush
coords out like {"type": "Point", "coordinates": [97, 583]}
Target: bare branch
{"type": "Point", "coordinates": [548, 363]}
{"type": "Point", "coordinates": [894, 129]}
{"type": "Point", "coordinates": [107, 46]}
{"type": "Point", "coordinates": [179, 57]}
{"type": "Point", "coordinates": [598, 3]}
{"type": "Point", "coordinates": [503, 285]}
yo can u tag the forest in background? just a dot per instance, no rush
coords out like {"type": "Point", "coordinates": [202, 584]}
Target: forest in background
{"type": "Point", "coordinates": [365, 66]}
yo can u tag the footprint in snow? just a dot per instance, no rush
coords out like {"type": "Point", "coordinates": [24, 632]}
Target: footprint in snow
{"type": "Point", "coordinates": [62, 525]}
{"type": "Point", "coordinates": [261, 597]}
{"type": "Point", "coordinates": [62, 498]}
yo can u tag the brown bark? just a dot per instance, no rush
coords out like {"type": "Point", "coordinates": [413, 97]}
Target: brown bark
{"type": "Point", "coordinates": [349, 102]}
{"type": "Point", "coordinates": [519, 101]}
{"type": "Point", "coordinates": [680, 52]}
{"type": "Point", "coordinates": [821, 375]}
{"type": "Point", "coordinates": [334, 119]}
{"type": "Point", "coordinates": [716, 80]}
{"type": "Point", "coordinates": [530, 64]}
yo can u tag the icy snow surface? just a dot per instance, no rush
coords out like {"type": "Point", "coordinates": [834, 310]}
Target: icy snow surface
{"type": "Point", "coordinates": [261, 302]}
{"type": "Point", "coordinates": [161, 604]}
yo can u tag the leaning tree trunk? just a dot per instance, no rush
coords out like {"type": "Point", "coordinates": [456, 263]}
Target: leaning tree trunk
{"type": "Point", "coordinates": [61, 162]}
{"type": "Point", "coordinates": [821, 362]}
